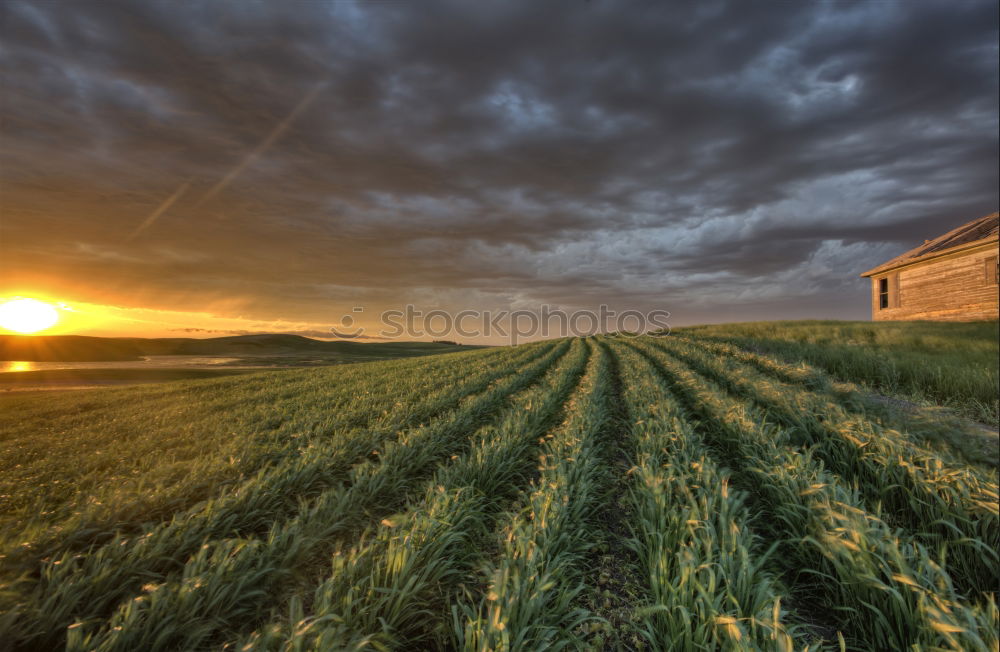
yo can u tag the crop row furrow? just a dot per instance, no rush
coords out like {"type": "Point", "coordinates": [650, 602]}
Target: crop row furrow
{"type": "Point", "coordinates": [950, 435]}
{"type": "Point", "coordinates": [707, 584]}
{"type": "Point", "coordinates": [79, 587]}
{"type": "Point", "coordinates": [945, 433]}
{"type": "Point", "coordinates": [529, 603]}
{"type": "Point", "coordinates": [922, 361]}
{"type": "Point", "coordinates": [393, 588]}
{"type": "Point", "coordinates": [801, 374]}
{"type": "Point", "coordinates": [614, 579]}
{"type": "Point", "coordinates": [319, 424]}
{"type": "Point", "coordinates": [889, 591]}
{"type": "Point", "coordinates": [220, 447]}
{"type": "Point", "coordinates": [205, 397]}
{"type": "Point", "coordinates": [231, 582]}
{"type": "Point", "coordinates": [936, 502]}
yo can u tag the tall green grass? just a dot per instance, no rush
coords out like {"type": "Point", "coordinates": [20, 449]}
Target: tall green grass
{"type": "Point", "coordinates": [952, 364]}
{"type": "Point", "coordinates": [708, 584]}
{"type": "Point", "coordinates": [230, 581]}
{"type": "Point", "coordinates": [83, 587]}
{"type": "Point", "coordinates": [944, 433]}
{"type": "Point", "coordinates": [885, 590]}
{"type": "Point", "coordinates": [72, 468]}
{"type": "Point", "coordinates": [939, 500]}
{"type": "Point", "coordinates": [391, 589]}
{"type": "Point", "coordinates": [529, 603]}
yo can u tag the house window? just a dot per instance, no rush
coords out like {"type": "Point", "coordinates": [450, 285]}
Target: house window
{"type": "Point", "coordinates": [991, 271]}
{"type": "Point", "coordinates": [883, 293]}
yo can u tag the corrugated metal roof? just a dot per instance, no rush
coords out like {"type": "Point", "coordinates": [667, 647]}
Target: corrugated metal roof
{"type": "Point", "coordinates": [977, 231]}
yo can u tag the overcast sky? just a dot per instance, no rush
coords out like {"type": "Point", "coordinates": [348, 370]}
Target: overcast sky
{"type": "Point", "coordinates": [290, 160]}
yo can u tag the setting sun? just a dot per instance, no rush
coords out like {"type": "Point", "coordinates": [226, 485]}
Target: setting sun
{"type": "Point", "coordinates": [27, 315]}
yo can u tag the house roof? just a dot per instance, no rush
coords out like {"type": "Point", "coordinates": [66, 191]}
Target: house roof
{"type": "Point", "coordinates": [976, 232]}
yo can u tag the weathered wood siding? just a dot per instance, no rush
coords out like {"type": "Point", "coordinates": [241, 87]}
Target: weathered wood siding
{"type": "Point", "coordinates": [956, 287]}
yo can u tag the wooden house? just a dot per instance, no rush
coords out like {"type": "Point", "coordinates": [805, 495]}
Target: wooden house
{"type": "Point", "coordinates": [950, 278]}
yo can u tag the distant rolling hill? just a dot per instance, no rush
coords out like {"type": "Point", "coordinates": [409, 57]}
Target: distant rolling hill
{"type": "Point", "coordinates": [79, 348]}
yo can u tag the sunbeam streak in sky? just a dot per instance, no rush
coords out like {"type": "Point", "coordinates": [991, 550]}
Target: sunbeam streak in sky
{"type": "Point", "coordinates": [160, 210]}
{"type": "Point", "coordinates": [264, 145]}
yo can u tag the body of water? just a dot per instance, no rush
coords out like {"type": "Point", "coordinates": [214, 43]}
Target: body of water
{"type": "Point", "coordinates": [150, 362]}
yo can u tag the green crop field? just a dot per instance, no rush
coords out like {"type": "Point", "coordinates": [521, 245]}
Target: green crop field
{"type": "Point", "coordinates": [953, 364]}
{"type": "Point", "coordinates": [705, 490]}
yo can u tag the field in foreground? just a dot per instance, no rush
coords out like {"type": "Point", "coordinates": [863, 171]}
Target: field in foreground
{"type": "Point", "coordinates": [605, 493]}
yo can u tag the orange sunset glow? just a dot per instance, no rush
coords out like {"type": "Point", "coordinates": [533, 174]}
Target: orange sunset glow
{"type": "Point", "coordinates": [24, 313]}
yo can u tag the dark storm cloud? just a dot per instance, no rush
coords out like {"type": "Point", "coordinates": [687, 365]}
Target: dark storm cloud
{"type": "Point", "coordinates": [303, 156]}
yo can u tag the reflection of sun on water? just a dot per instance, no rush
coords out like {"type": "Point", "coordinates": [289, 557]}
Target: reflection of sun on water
{"type": "Point", "coordinates": [17, 365]}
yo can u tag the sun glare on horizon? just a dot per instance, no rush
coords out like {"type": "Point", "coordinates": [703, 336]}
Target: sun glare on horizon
{"type": "Point", "coordinates": [27, 315]}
